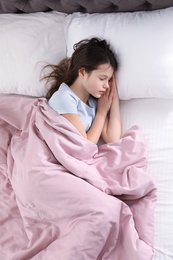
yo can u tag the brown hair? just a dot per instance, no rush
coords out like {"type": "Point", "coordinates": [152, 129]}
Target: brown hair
{"type": "Point", "coordinates": [88, 54]}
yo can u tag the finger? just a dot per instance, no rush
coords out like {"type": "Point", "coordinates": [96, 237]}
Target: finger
{"type": "Point", "coordinates": [111, 91]}
{"type": "Point", "coordinates": [107, 92]}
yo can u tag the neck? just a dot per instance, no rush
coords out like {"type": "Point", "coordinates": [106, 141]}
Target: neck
{"type": "Point", "coordinates": [79, 91]}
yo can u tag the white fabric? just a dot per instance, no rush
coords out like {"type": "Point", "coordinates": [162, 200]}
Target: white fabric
{"type": "Point", "coordinates": [143, 42]}
{"type": "Point", "coordinates": [155, 118]}
{"type": "Point", "coordinates": [27, 43]}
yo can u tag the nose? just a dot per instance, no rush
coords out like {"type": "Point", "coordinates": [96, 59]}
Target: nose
{"type": "Point", "coordinates": [106, 85]}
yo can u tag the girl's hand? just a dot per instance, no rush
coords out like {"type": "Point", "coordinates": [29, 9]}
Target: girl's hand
{"type": "Point", "coordinates": [105, 101]}
{"type": "Point", "coordinates": [114, 88]}
{"type": "Point", "coordinates": [113, 127]}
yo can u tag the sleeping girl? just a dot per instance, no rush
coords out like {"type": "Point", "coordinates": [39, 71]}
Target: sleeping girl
{"type": "Point", "coordinates": [84, 91]}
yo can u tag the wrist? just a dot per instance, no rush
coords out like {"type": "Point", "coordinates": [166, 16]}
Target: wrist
{"type": "Point", "coordinates": [101, 114]}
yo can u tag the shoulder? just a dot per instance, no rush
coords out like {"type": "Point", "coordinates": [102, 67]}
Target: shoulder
{"type": "Point", "coordinates": [63, 100]}
{"type": "Point", "coordinates": [62, 93]}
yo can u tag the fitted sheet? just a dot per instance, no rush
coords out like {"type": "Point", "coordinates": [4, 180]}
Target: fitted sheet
{"type": "Point", "coordinates": [155, 118]}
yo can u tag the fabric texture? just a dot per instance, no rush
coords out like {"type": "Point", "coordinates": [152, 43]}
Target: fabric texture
{"type": "Point", "coordinates": [67, 197]}
{"type": "Point", "coordinates": [29, 42]}
{"type": "Point", "coordinates": [64, 101]}
{"type": "Point", "coordinates": [68, 6]}
{"type": "Point", "coordinates": [155, 118]}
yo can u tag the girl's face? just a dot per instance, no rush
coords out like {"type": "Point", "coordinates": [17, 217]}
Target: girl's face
{"type": "Point", "coordinates": [97, 82]}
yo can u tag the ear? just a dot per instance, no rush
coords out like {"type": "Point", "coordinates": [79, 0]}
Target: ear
{"type": "Point", "coordinates": [81, 72]}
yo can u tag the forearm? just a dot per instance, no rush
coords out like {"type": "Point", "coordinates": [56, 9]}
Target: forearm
{"type": "Point", "coordinates": [112, 129]}
{"type": "Point", "coordinates": [95, 131]}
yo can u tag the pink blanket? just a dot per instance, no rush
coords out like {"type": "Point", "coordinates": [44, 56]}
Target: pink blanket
{"type": "Point", "coordinates": [65, 198]}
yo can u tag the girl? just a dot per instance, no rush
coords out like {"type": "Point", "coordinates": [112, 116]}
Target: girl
{"type": "Point", "coordinates": [84, 91]}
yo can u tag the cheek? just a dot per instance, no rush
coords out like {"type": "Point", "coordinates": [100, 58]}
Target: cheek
{"type": "Point", "coordinates": [94, 84]}
{"type": "Point", "coordinates": [99, 84]}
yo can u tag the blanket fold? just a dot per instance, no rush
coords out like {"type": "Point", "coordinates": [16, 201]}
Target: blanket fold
{"type": "Point", "coordinates": [73, 199]}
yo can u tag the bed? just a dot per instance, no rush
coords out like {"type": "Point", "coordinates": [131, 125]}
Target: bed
{"type": "Point", "coordinates": [62, 197]}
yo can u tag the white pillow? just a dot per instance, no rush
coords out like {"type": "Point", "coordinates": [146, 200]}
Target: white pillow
{"type": "Point", "coordinates": [27, 43]}
{"type": "Point", "coordinates": [143, 42]}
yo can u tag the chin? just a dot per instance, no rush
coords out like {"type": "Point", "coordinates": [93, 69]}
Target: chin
{"type": "Point", "coordinates": [98, 95]}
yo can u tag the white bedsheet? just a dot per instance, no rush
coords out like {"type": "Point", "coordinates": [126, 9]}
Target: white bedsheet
{"type": "Point", "coordinates": [155, 118]}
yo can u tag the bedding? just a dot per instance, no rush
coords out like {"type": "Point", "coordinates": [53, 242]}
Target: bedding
{"type": "Point", "coordinates": [61, 170]}
{"type": "Point", "coordinates": [28, 42]}
{"type": "Point", "coordinates": [150, 57]}
{"type": "Point", "coordinates": [143, 42]}
{"type": "Point", "coordinates": [155, 118]}
{"type": "Point", "coordinates": [52, 204]}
